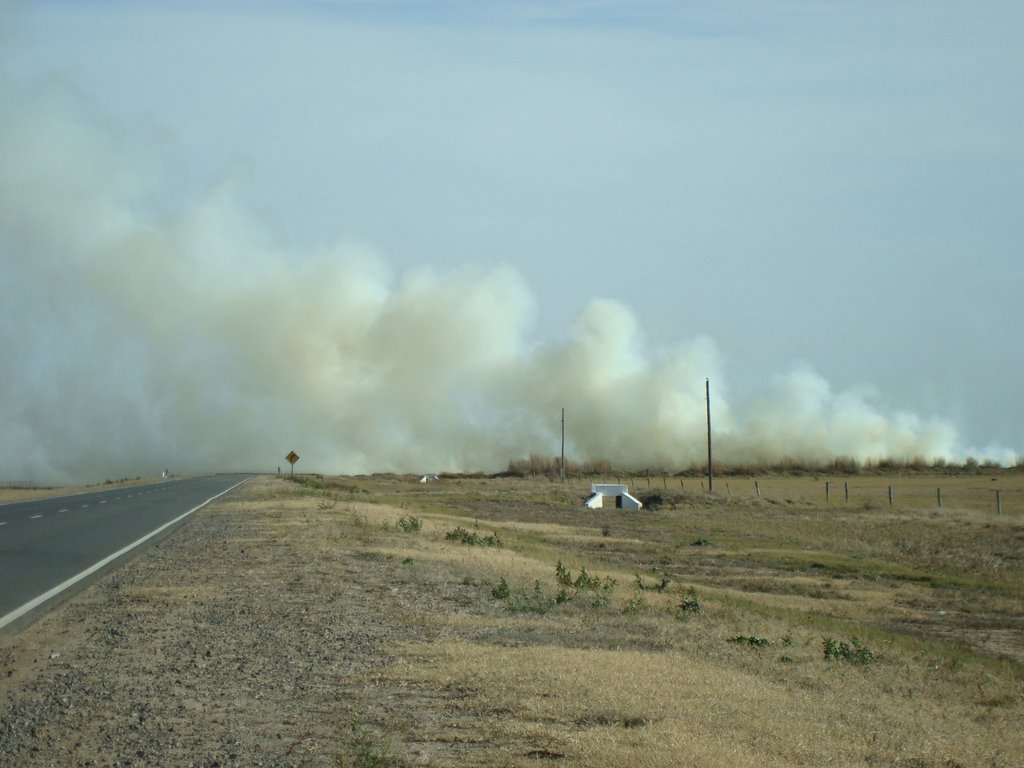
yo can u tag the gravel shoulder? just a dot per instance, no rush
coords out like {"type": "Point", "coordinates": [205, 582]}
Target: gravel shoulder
{"type": "Point", "coordinates": [229, 643]}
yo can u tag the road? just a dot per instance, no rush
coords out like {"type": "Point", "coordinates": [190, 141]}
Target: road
{"type": "Point", "coordinates": [49, 546]}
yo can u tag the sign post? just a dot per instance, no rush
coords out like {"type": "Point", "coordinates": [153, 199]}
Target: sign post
{"type": "Point", "coordinates": [292, 457]}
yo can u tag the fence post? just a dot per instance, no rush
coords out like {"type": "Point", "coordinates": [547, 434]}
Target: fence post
{"type": "Point", "coordinates": [890, 495]}
{"type": "Point", "coordinates": [828, 493]}
{"type": "Point", "coordinates": [999, 502]}
{"type": "Point", "coordinates": [757, 489]}
{"type": "Point", "coordinates": [938, 497]}
{"type": "Point", "coordinates": [846, 491]}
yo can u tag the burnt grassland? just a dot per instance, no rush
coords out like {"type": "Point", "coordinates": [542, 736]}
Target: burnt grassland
{"type": "Point", "coordinates": [720, 629]}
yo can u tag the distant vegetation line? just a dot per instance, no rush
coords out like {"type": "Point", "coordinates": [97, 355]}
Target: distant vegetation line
{"type": "Point", "coordinates": [537, 465]}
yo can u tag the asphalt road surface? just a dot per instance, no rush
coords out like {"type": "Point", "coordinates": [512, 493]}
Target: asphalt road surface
{"type": "Point", "coordinates": [50, 546]}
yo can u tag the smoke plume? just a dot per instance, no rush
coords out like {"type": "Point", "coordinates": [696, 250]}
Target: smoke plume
{"type": "Point", "coordinates": [139, 334]}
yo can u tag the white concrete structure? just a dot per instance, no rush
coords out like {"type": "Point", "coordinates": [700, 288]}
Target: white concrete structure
{"type": "Point", "coordinates": [623, 499]}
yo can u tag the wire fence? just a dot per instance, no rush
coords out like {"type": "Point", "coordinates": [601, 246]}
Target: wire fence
{"type": "Point", "coordinates": [1001, 495]}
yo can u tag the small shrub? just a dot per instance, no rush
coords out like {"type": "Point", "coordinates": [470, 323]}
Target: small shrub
{"type": "Point", "coordinates": [659, 587]}
{"type": "Point", "coordinates": [752, 640]}
{"type": "Point", "coordinates": [690, 603]}
{"type": "Point", "coordinates": [410, 524]}
{"type": "Point", "coordinates": [572, 588]}
{"type": "Point", "coordinates": [462, 536]}
{"type": "Point", "coordinates": [562, 576]}
{"type": "Point", "coordinates": [701, 542]}
{"type": "Point", "coordinates": [537, 602]}
{"type": "Point", "coordinates": [856, 653]}
{"type": "Point", "coordinates": [501, 590]}
{"type": "Point", "coordinates": [634, 605]}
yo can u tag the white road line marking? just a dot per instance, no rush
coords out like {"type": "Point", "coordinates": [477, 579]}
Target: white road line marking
{"type": "Point", "coordinates": [35, 517]}
{"type": "Point", "coordinates": [103, 501]}
{"type": "Point", "coordinates": [3, 523]}
{"type": "Point", "coordinates": [85, 506]}
{"type": "Point", "coordinates": [64, 510]}
{"type": "Point", "coordinates": [36, 602]}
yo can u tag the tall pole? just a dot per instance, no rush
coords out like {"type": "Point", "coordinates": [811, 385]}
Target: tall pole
{"type": "Point", "coordinates": [707, 397]}
{"type": "Point", "coordinates": [563, 445]}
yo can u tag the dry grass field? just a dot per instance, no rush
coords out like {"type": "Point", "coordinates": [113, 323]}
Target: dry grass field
{"type": "Point", "coordinates": [712, 630]}
{"type": "Point", "coordinates": [9, 494]}
{"type": "Point", "coordinates": [377, 622]}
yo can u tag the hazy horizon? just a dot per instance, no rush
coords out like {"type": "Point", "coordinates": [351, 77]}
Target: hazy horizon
{"type": "Point", "coordinates": [404, 237]}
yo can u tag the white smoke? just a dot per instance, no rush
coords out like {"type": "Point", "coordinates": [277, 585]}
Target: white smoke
{"type": "Point", "coordinates": [136, 338]}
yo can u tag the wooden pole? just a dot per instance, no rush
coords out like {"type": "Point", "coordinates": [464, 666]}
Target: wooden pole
{"type": "Point", "coordinates": [938, 497]}
{"type": "Point", "coordinates": [890, 495]}
{"type": "Point", "coordinates": [828, 493]}
{"type": "Point", "coordinates": [846, 492]}
{"type": "Point", "coordinates": [563, 445]}
{"type": "Point", "coordinates": [707, 396]}
{"type": "Point", "coordinates": [757, 489]}
{"type": "Point", "coordinates": [999, 502]}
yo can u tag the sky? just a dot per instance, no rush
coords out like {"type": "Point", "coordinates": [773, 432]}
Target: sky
{"type": "Point", "coordinates": [403, 235]}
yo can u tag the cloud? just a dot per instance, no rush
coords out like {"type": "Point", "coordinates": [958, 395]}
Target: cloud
{"type": "Point", "coordinates": [140, 336]}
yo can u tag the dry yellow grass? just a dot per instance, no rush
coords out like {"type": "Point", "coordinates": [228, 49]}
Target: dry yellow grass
{"type": "Point", "coordinates": [9, 495]}
{"type": "Point", "coordinates": [625, 677]}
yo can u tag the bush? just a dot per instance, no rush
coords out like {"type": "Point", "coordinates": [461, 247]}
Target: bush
{"type": "Point", "coordinates": [462, 536]}
{"type": "Point", "coordinates": [690, 603]}
{"type": "Point", "coordinates": [752, 640]}
{"type": "Point", "coordinates": [856, 653]}
{"type": "Point", "coordinates": [410, 524]}
{"type": "Point", "coordinates": [659, 587]}
{"type": "Point", "coordinates": [501, 590]}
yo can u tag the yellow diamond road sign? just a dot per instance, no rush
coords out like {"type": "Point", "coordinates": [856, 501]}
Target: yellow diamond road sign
{"type": "Point", "coordinates": [292, 457]}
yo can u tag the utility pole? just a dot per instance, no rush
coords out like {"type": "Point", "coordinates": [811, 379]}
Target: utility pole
{"type": "Point", "coordinates": [563, 445]}
{"type": "Point", "coordinates": [707, 397]}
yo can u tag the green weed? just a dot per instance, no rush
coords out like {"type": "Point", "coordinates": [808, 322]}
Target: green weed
{"type": "Point", "coordinates": [601, 589]}
{"type": "Point", "coordinates": [501, 590]}
{"type": "Point", "coordinates": [659, 587]}
{"type": "Point", "coordinates": [536, 602]}
{"type": "Point", "coordinates": [752, 640]}
{"type": "Point", "coordinates": [690, 604]}
{"type": "Point", "coordinates": [462, 536]}
{"type": "Point", "coordinates": [856, 653]}
{"type": "Point", "coordinates": [364, 751]}
{"type": "Point", "coordinates": [410, 524]}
